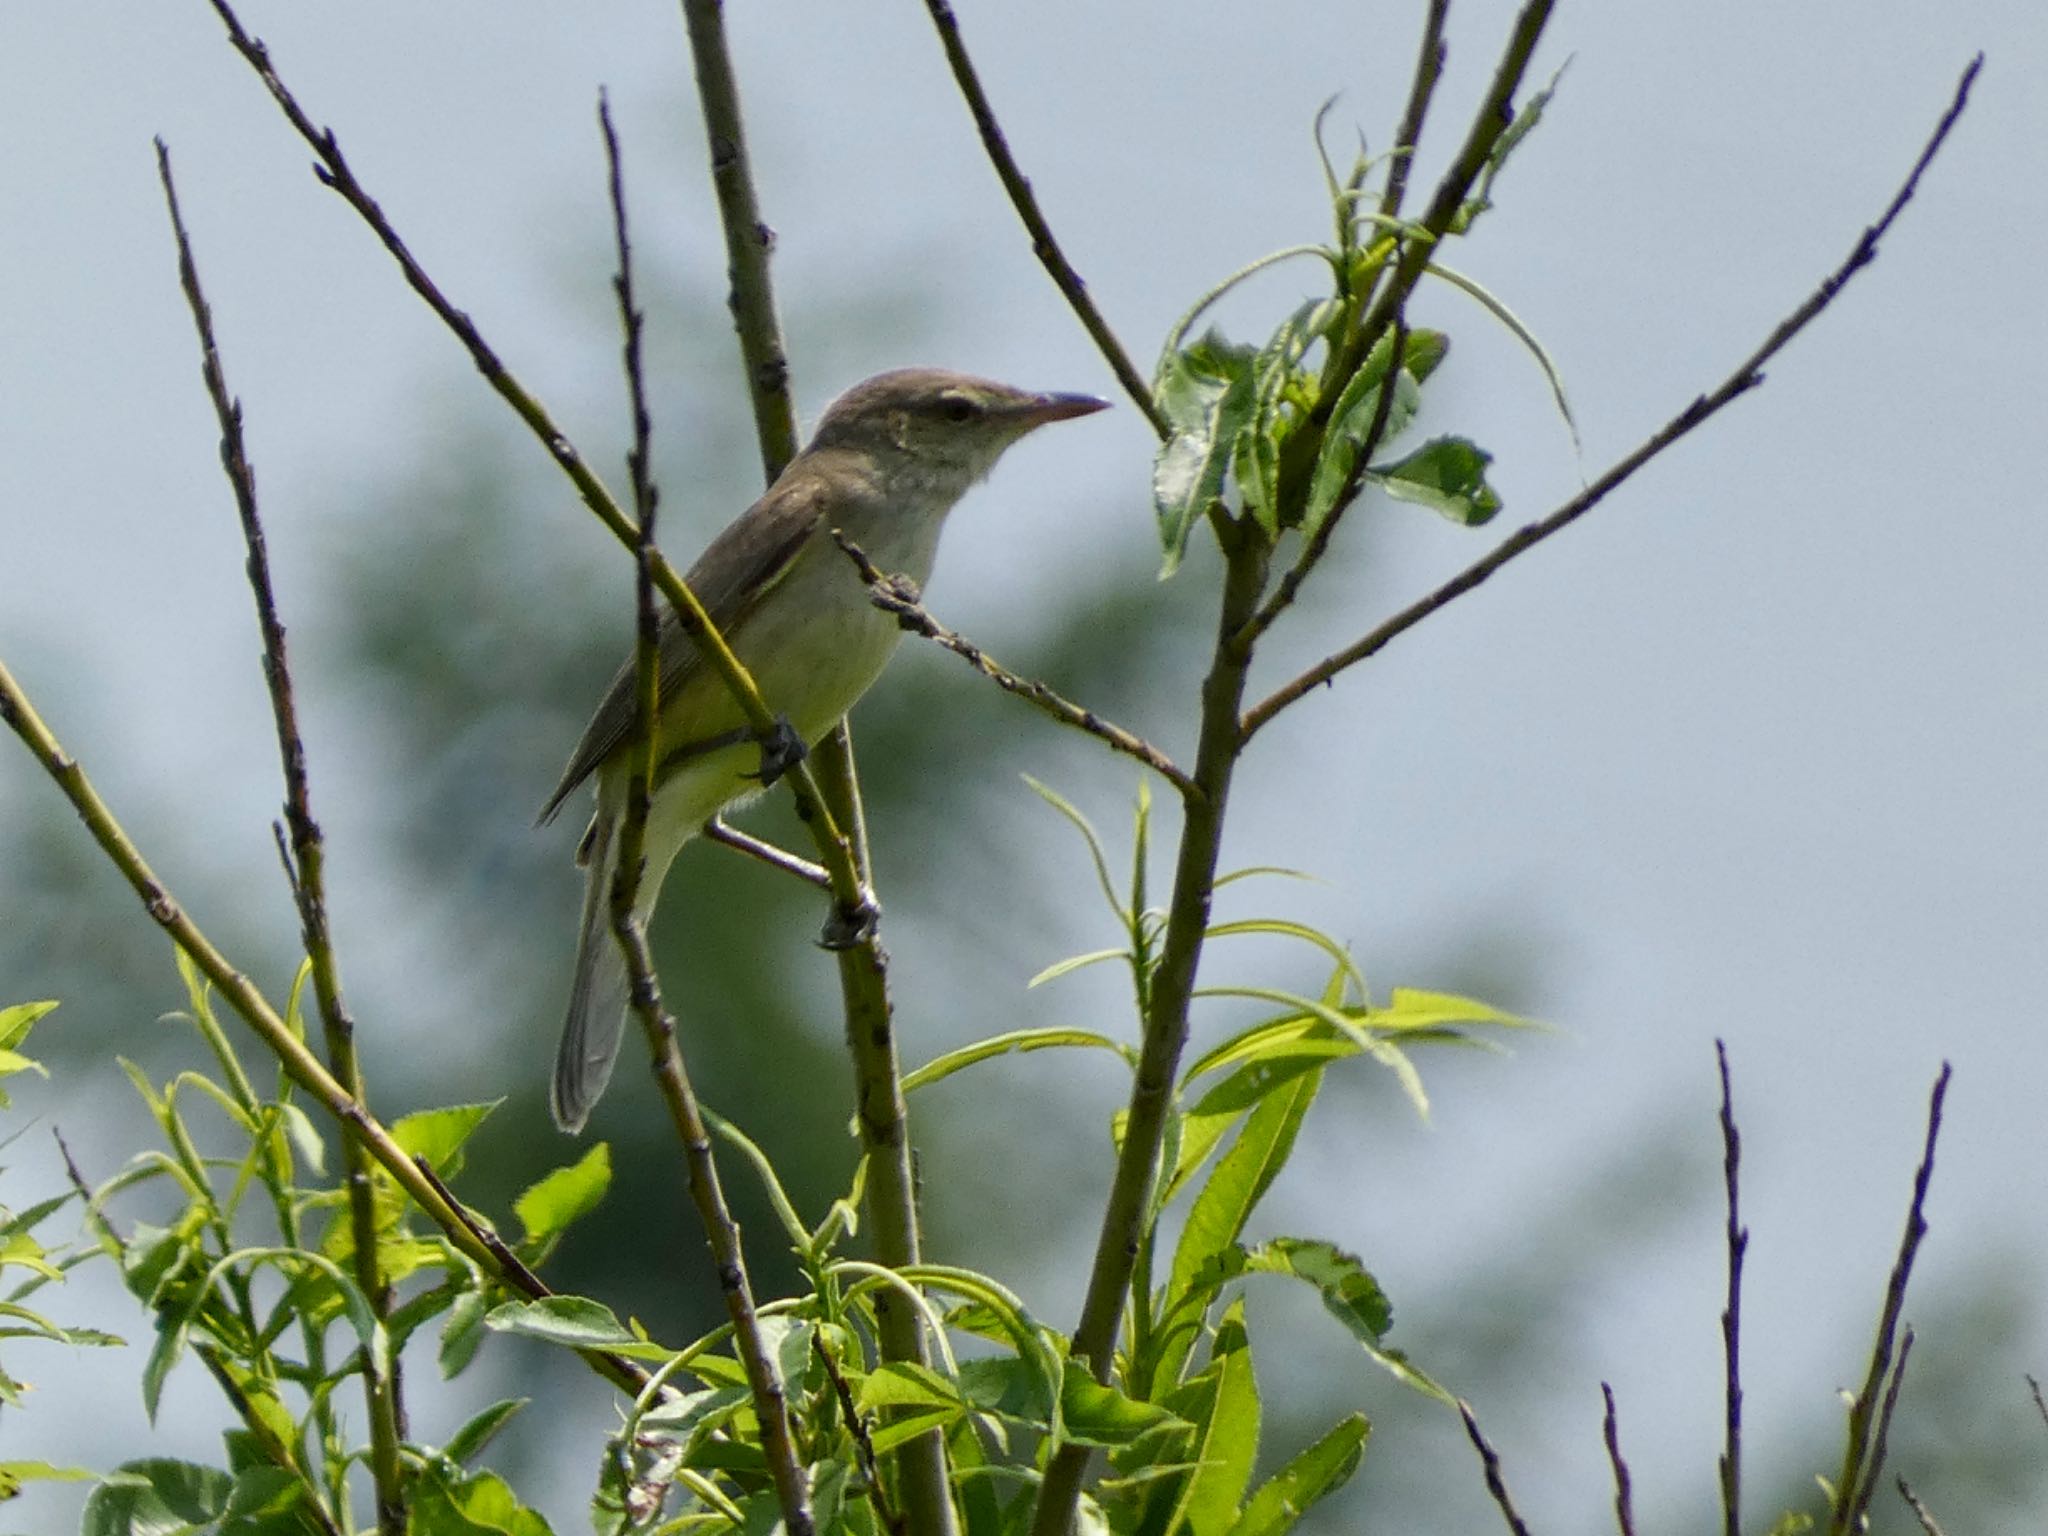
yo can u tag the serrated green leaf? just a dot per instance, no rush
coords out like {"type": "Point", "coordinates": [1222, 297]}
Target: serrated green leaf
{"type": "Point", "coordinates": [1447, 475]}
{"type": "Point", "coordinates": [1208, 393]}
{"type": "Point", "coordinates": [438, 1134]}
{"type": "Point", "coordinates": [156, 1497]}
{"type": "Point", "coordinates": [576, 1322]}
{"type": "Point", "coordinates": [547, 1208]}
{"type": "Point", "coordinates": [1227, 1442]}
{"type": "Point", "coordinates": [1309, 1478]}
{"type": "Point", "coordinates": [482, 1505]}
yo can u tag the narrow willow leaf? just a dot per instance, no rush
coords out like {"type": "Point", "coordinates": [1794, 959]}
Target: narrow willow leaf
{"type": "Point", "coordinates": [1413, 1008]}
{"type": "Point", "coordinates": [1206, 1123]}
{"type": "Point", "coordinates": [1017, 1040]}
{"type": "Point", "coordinates": [1526, 117]}
{"type": "Point", "coordinates": [1227, 1445]}
{"type": "Point", "coordinates": [15, 1023]}
{"type": "Point", "coordinates": [1447, 475]}
{"type": "Point", "coordinates": [1100, 1415]}
{"type": "Point", "coordinates": [771, 1181]}
{"type": "Point", "coordinates": [1521, 333]}
{"type": "Point", "coordinates": [1074, 963]}
{"type": "Point", "coordinates": [1282, 928]}
{"type": "Point", "coordinates": [1305, 1481]}
{"type": "Point", "coordinates": [1178, 333]}
{"type": "Point", "coordinates": [548, 1207]}
{"type": "Point", "coordinates": [1275, 374]}
{"type": "Point", "coordinates": [1066, 808]}
{"type": "Point", "coordinates": [1251, 871]}
{"type": "Point", "coordinates": [461, 1333]}
{"type": "Point", "coordinates": [1358, 1030]}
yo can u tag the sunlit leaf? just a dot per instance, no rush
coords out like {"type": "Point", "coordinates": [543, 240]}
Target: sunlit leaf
{"type": "Point", "coordinates": [1016, 1040]}
{"type": "Point", "coordinates": [548, 1207]}
{"type": "Point", "coordinates": [575, 1322]}
{"type": "Point", "coordinates": [438, 1134]}
{"type": "Point", "coordinates": [1227, 1444]}
{"type": "Point", "coordinates": [1306, 1480]}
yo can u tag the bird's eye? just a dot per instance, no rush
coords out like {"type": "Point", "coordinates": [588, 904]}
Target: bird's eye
{"type": "Point", "coordinates": [958, 408]}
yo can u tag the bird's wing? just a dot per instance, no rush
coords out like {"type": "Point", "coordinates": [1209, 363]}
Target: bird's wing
{"type": "Point", "coordinates": [735, 572]}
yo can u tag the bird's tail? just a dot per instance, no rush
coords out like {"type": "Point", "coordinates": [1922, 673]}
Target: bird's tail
{"type": "Point", "coordinates": [598, 994]}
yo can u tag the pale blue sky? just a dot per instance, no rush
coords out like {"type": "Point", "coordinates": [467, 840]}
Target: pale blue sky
{"type": "Point", "coordinates": [1760, 744]}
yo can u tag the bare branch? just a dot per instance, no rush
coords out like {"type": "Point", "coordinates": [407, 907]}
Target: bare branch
{"type": "Point", "coordinates": [1025, 201]}
{"type": "Point", "coordinates": [306, 866]}
{"type": "Point", "coordinates": [1731, 1315]}
{"type": "Point", "coordinates": [894, 594]}
{"type": "Point", "coordinates": [1489, 1459]}
{"type": "Point", "coordinates": [721, 1232]}
{"type": "Point", "coordinates": [1610, 1432]}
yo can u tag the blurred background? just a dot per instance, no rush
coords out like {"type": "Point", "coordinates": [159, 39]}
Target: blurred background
{"type": "Point", "coordinates": [1755, 752]}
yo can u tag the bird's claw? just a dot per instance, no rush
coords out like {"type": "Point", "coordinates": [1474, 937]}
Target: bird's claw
{"type": "Point", "coordinates": [781, 750]}
{"type": "Point", "coordinates": [851, 927]}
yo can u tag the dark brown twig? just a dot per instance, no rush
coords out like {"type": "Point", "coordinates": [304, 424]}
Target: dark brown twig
{"type": "Point", "coordinates": [894, 595]}
{"type": "Point", "coordinates": [306, 865]}
{"type": "Point", "coordinates": [2040, 1406]}
{"type": "Point", "coordinates": [1747, 376]}
{"type": "Point", "coordinates": [721, 1232]}
{"type": "Point", "coordinates": [1731, 1315]}
{"type": "Point", "coordinates": [1928, 1524]}
{"type": "Point", "coordinates": [776, 858]}
{"type": "Point", "coordinates": [1610, 1432]}
{"type": "Point", "coordinates": [863, 1443]}
{"type": "Point", "coordinates": [1489, 1459]}
{"type": "Point", "coordinates": [1025, 201]}
{"type": "Point", "coordinates": [1429, 68]}
{"type": "Point", "coordinates": [1861, 1457]}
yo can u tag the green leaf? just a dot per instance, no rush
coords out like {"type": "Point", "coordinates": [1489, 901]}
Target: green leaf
{"type": "Point", "coordinates": [156, 1497]}
{"type": "Point", "coordinates": [907, 1384]}
{"type": "Point", "coordinates": [307, 1143]}
{"type": "Point", "coordinates": [575, 1322]}
{"type": "Point", "coordinates": [1206, 1122]}
{"type": "Point", "coordinates": [467, 1442]}
{"type": "Point", "coordinates": [548, 1207]}
{"type": "Point", "coordinates": [1306, 1480]}
{"type": "Point", "coordinates": [1350, 425]}
{"type": "Point", "coordinates": [1016, 1040]}
{"type": "Point", "coordinates": [1348, 1288]}
{"type": "Point", "coordinates": [1066, 808]}
{"type": "Point", "coordinates": [1521, 333]}
{"type": "Point", "coordinates": [1074, 963]}
{"type": "Point", "coordinates": [17, 1020]}
{"type": "Point", "coordinates": [1233, 1190]}
{"type": "Point", "coordinates": [483, 1505]}
{"type": "Point", "coordinates": [1098, 1415]}
{"type": "Point", "coordinates": [1276, 374]}
{"type": "Point", "coordinates": [1447, 475]}
{"type": "Point", "coordinates": [1412, 1008]}
{"type": "Point", "coordinates": [1208, 395]}
{"type": "Point", "coordinates": [438, 1134]}
{"type": "Point", "coordinates": [1524, 121]}
{"type": "Point", "coordinates": [1281, 928]}
{"type": "Point", "coordinates": [1228, 1440]}
{"type": "Point", "coordinates": [264, 1502]}
{"type": "Point", "coordinates": [461, 1333]}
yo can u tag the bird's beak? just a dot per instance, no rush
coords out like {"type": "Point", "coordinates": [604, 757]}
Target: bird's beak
{"type": "Point", "coordinates": [1037, 410]}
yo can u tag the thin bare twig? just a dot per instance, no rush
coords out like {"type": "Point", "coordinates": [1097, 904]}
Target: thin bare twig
{"type": "Point", "coordinates": [1489, 1459]}
{"type": "Point", "coordinates": [719, 831]}
{"type": "Point", "coordinates": [829, 800]}
{"type": "Point", "coordinates": [895, 594]}
{"type": "Point", "coordinates": [1610, 1432]}
{"type": "Point", "coordinates": [863, 1443]}
{"type": "Point", "coordinates": [1429, 68]}
{"type": "Point", "coordinates": [721, 1232]}
{"type": "Point", "coordinates": [1928, 1524]}
{"type": "Point", "coordinates": [1861, 1459]}
{"type": "Point", "coordinates": [2040, 1406]}
{"type": "Point", "coordinates": [1747, 376]}
{"type": "Point", "coordinates": [1731, 1315]}
{"type": "Point", "coordinates": [1025, 201]}
{"type": "Point", "coordinates": [306, 865]}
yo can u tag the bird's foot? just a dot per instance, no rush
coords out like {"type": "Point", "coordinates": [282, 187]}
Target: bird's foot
{"type": "Point", "coordinates": [781, 750]}
{"type": "Point", "coordinates": [851, 927]}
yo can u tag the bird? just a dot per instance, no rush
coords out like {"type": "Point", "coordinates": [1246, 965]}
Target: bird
{"type": "Point", "coordinates": [887, 462]}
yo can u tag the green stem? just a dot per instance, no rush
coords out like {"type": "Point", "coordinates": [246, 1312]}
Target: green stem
{"type": "Point", "coordinates": [1166, 1017]}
